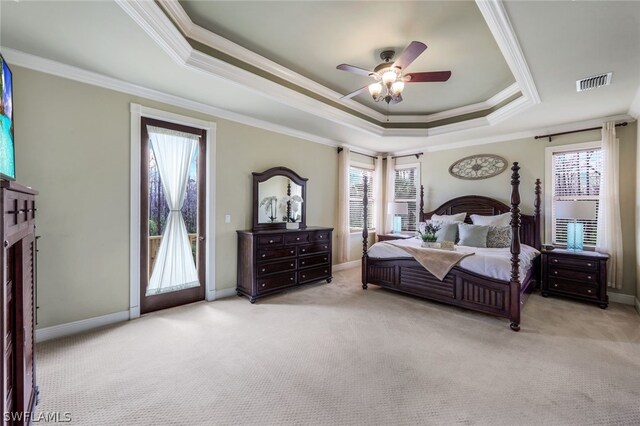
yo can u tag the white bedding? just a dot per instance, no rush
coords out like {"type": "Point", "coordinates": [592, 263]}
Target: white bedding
{"type": "Point", "coordinates": [490, 262]}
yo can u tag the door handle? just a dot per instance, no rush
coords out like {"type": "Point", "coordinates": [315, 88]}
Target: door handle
{"type": "Point", "coordinates": [201, 238]}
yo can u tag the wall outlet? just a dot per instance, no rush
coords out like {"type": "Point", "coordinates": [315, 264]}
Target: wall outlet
{"type": "Point", "coordinates": [227, 218]}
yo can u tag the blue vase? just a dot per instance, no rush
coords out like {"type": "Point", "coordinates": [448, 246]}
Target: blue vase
{"type": "Point", "coordinates": [575, 236]}
{"type": "Point", "coordinates": [397, 224]}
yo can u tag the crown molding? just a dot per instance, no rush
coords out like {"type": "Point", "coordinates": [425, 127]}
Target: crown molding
{"type": "Point", "coordinates": [634, 109]}
{"type": "Point", "coordinates": [69, 72]}
{"type": "Point", "coordinates": [512, 108]}
{"type": "Point", "coordinates": [177, 14]}
{"type": "Point", "coordinates": [500, 26]}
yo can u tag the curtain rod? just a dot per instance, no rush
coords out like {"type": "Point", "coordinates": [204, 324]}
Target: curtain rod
{"type": "Point", "coordinates": [575, 131]}
{"type": "Point", "coordinates": [417, 154]}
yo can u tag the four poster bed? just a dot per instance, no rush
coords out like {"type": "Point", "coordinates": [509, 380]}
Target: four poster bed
{"type": "Point", "coordinates": [462, 287]}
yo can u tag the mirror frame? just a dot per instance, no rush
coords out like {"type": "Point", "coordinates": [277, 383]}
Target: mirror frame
{"type": "Point", "coordinates": [268, 174]}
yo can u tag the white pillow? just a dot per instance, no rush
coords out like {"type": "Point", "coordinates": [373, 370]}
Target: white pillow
{"type": "Point", "coordinates": [455, 218]}
{"type": "Point", "coordinates": [498, 220]}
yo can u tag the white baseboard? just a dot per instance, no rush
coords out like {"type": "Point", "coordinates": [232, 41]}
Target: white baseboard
{"type": "Point", "coordinates": [626, 299]}
{"type": "Point", "coordinates": [347, 265]}
{"type": "Point", "coordinates": [53, 332]}
{"type": "Point", "coordinates": [225, 292]}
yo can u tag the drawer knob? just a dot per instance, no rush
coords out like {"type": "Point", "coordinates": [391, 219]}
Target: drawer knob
{"type": "Point", "coordinates": [270, 241]}
{"type": "Point", "coordinates": [555, 285]}
{"type": "Point", "coordinates": [304, 276]}
{"type": "Point", "coordinates": [321, 237]}
{"type": "Point", "coordinates": [264, 255]}
{"type": "Point", "coordinates": [325, 271]}
{"type": "Point", "coordinates": [263, 284]}
{"type": "Point", "coordinates": [292, 265]}
{"type": "Point", "coordinates": [555, 272]}
{"type": "Point", "coordinates": [588, 277]}
{"type": "Point", "coordinates": [303, 250]}
{"type": "Point", "coordinates": [292, 251]}
{"type": "Point", "coordinates": [302, 263]}
{"type": "Point", "coordinates": [588, 264]}
{"type": "Point", "coordinates": [325, 259]}
{"type": "Point", "coordinates": [263, 269]}
{"type": "Point", "coordinates": [589, 291]}
{"type": "Point", "coordinates": [290, 279]}
{"type": "Point", "coordinates": [555, 260]}
{"type": "Point", "coordinates": [325, 246]}
{"type": "Point", "coordinates": [297, 238]}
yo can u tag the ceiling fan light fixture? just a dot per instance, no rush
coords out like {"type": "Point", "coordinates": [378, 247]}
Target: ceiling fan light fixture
{"type": "Point", "coordinates": [375, 90]}
{"type": "Point", "coordinates": [397, 88]}
{"type": "Point", "coordinates": [389, 76]}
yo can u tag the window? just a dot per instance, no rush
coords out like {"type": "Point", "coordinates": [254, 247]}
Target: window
{"type": "Point", "coordinates": [407, 178]}
{"type": "Point", "coordinates": [575, 175]}
{"type": "Point", "coordinates": [356, 192]}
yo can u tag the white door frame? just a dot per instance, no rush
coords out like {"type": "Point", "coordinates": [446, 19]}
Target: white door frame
{"type": "Point", "coordinates": [137, 112]}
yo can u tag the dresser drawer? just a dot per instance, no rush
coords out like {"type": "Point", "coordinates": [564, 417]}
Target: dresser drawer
{"type": "Point", "coordinates": [574, 288]}
{"type": "Point", "coordinates": [571, 274]}
{"type": "Point", "coordinates": [320, 236]}
{"type": "Point", "coordinates": [313, 248]}
{"type": "Point", "coordinates": [270, 240]}
{"type": "Point", "coordinates": [18, 211]}
{"type": "Point", "coordinates": [308, 261]}
{"type": "Point", "coordinates": [275, 253]}
{"type": "Point", "coordinates": [297, 238]}
{"type": "Point", "coordinates": [573, 263]}
{"type": "Point", "coordinates": [276, 281]}
{"type": "Point", "coordinates": [314, 274]}
{"type": "Point", "coordinates": [273, 267]}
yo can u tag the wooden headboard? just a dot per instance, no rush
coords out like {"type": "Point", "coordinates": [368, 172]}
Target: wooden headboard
{"type": "Point", "coordinates": [530, 228]}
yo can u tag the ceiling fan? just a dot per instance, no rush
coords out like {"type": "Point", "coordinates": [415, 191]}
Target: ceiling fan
{"type": "Point", "coordinates": [390, 77]}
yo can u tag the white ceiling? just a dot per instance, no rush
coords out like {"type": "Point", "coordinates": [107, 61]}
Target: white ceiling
{"type": "Point", "coordinates": [561, 42]}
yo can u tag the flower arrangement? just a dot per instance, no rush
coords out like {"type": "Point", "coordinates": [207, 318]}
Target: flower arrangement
{"type": "Point", "coordinates": [429, 233]}
{"type": "Point", "coordinates": [270, 204]}
{"type": "Point", "coordinates": [291, 205]}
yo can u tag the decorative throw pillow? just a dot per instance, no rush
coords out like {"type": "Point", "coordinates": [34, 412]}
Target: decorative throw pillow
{"type": "Point", "coordinates": [456, 218]}
{"type": "Point", "coordinates": [497, 220]}
{"type": "Point", "coordinates": [499, 237]}
{"type": "Point", "coordinates": [472, 235]}
{"type": "Point", "coordinates": [448, 230]}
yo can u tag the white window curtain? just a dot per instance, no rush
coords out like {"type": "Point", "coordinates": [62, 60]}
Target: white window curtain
{"type": "Point", "coordinates": [389, 193]}
{"type": "Point", "coordinates": [378, 197]}
{"type": "Point", "coordinates": [609, 224]}
{"type": "Point", "coordinates": [174, 266]}
{"type": "Point", "coordinates": [343, 205]}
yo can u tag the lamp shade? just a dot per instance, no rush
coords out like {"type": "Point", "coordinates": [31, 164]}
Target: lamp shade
{"type": "Point", "coordinates": [398, 208]}
{"type": "Point", "coordinates": [582, 210]}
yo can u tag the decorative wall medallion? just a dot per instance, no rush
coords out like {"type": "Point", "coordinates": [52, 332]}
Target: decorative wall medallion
{"type": "Point", "coordinates": [480, 166]}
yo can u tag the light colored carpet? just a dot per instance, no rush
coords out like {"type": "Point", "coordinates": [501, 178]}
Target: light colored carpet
{"type": "Point", "coordinates": [336, 354]}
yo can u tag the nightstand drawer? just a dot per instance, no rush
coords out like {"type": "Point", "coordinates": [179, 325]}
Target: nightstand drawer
{"type": "Point", "coordinates": [571, 274]}
{"type": "Point", "coordinates": [574, 288]}
{"type": "Point", "coordinates": [573, 263]}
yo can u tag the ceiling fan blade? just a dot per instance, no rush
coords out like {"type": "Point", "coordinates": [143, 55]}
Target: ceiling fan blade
{"type": "Point", "coordinates": [355, 70]}
{"type": "Point", "coordinates": [413, 50]}
{"type": "Point", "coordinates": [355, 92]}
{"type": "Point", "coordinates": [423, 77]}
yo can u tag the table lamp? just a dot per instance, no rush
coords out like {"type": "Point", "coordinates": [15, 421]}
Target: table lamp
{"type": "Point", "coordinates": [397, 209]}
{"type": "Point", "coordinates": [575, 210]}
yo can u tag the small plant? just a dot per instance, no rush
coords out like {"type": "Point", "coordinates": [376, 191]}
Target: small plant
{"type": "Point", "coordinates": [270, 206]}
{"type": "Point", "coordinates": [429, 233]}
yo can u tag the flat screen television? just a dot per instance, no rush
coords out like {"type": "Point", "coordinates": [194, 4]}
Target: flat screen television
{"type": "Point", "coordinates": [7, 149]}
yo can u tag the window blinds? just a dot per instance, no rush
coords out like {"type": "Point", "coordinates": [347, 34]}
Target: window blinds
{"type": "Point", "coordinates": [356, 192]}
{"type": "Point", "coordinates": [405, 191]}
{"type": "Point", "coordinates": [576, 176]}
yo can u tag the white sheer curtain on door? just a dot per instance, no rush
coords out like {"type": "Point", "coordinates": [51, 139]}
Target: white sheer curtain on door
{"type": "Point", "coordinates": [343, 205]}
{"type": "Point", "coordinates": [378, 195]}
{"type": "Point", "coordinates": [174, 266]}
{"type": "Point", "coordinates": [609, 223]}
{"type": "Point", "coordinates": [390, 191]}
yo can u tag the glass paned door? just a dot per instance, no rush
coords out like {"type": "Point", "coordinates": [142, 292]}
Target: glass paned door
{"type": "Point", "coordinates": [172, 215]}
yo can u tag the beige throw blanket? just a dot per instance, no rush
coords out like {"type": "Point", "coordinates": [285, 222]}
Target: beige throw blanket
{"type": "Point", "coordinates": [438, 262]}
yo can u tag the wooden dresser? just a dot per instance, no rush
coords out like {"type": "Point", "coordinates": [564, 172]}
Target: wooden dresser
{"type": "Point", "coordinates": [273, 260]}
{"type": "Point", "coordinates": [576, 274]}
{"type": "Point", "coordinates": [17, 229]}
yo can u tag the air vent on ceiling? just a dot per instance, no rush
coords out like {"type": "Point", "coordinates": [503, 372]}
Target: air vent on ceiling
{"type": "Point", "coordinates": [593, 82]}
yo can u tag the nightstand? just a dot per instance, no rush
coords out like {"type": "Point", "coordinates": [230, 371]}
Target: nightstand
{"type": "Point", "coordinates": [388, 237]}
{"type": "Point", "coordinates": [577, 274]}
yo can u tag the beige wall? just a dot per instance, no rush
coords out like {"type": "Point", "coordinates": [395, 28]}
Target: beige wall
{"type": "Point", "coordinates": [72, 144]}
{"type": "Point", "coordinates": [440, 186]}
{"type": "Point", "coordinates": [637, 233]}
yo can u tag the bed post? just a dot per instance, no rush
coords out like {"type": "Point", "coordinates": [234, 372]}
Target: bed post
{"type": "Point", "coordinates": [421, 215]}
{"type": "Point", "coordinates": [365, 233]}
{"type": "Point", "coordinates": [537, 225]}
{"type": "Point", "coordinates": [514, 284]}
